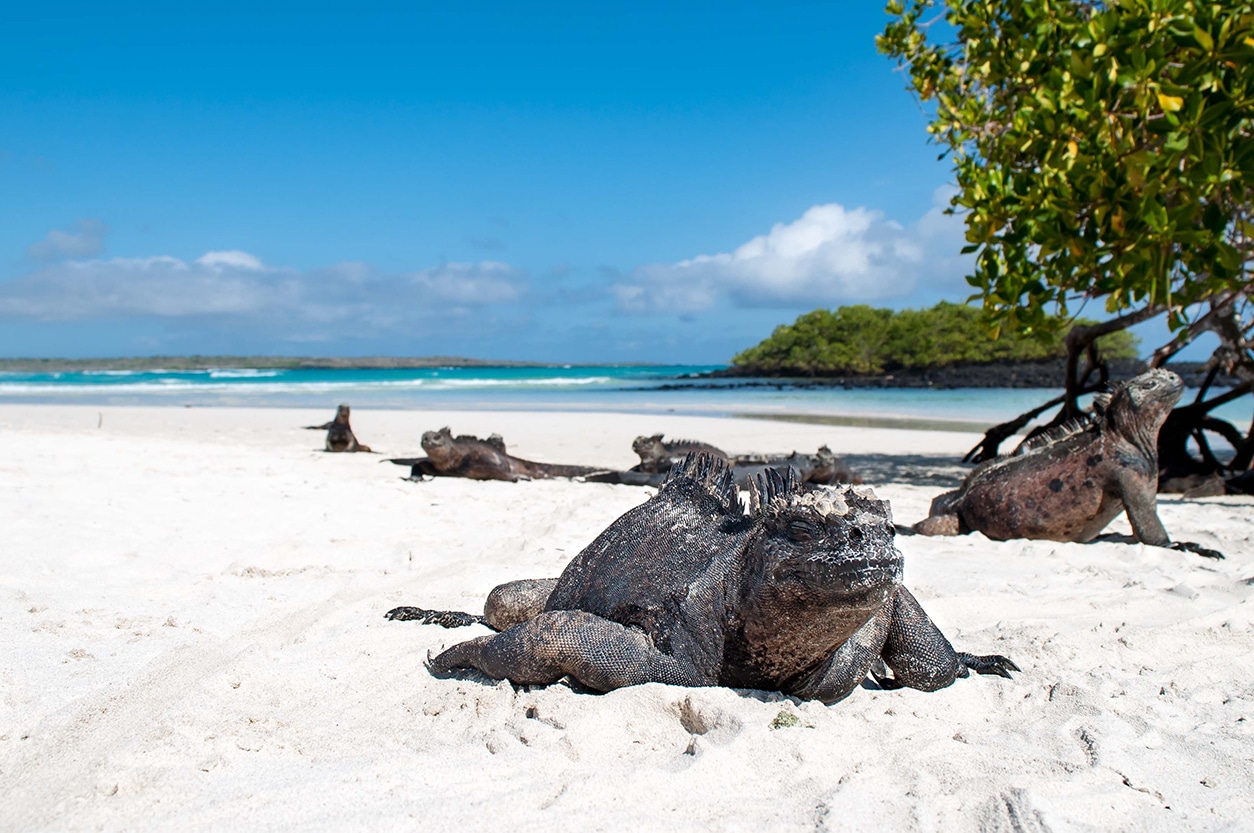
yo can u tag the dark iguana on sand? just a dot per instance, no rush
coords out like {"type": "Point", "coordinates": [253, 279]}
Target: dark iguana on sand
{"type": "Point", "coordinates": [1069, 486]}
{"type": "Point", "coordinates": [657, 456]}
{"type": "Point", "coordinates": [471, 457]}
{"type": "Point", "coordinates": [802, 595]}
{"type": "Point", "coordinates": [823, 468]}
{"type": "Point", "coordinates": [340, 435]}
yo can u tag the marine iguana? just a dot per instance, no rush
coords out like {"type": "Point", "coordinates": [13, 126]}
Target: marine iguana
{"type": "Point", "coordinates": [823, 468]}
{"type": "Point", "coordinates": [340, 435]}
{"type": "Point", "coordinates": [1068, 486]}
{"type": "Point", "coordinates": [471, 457]}
{"type": "Point", "coordinates": [820, 469]}
{"type": "Point", "coordinates": [802, 594]}
{"type": "Point", "coordinates": [657, 456]}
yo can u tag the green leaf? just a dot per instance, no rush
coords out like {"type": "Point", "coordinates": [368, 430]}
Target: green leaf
{"type": "Point", "coordinates": [1170, 103]}
{"type": "Point", "coordinates": [1203, 38]}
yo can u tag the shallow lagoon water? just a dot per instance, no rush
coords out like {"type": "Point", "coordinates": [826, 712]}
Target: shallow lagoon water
{"type": "Point", "coordinates": [643, 389]}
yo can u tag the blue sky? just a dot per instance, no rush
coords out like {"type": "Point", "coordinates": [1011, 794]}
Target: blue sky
{"type": "Point", "coordinates": [547, 181]}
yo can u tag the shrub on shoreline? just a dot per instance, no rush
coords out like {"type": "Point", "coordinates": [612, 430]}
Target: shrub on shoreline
{"type": "Point", "coordinates": [864, 340]}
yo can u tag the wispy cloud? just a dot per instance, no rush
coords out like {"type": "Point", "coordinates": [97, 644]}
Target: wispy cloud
{"type": "Point", "coordinates": [84, 240]}
{"type": "Point", "coordinates": [474, 284]}
{"type": "Point", "coordinates": [231, 259]}
{"type": "Point", "coordinates": [239, 285]}
{"type": "Point", "coordinates": [829, 255]}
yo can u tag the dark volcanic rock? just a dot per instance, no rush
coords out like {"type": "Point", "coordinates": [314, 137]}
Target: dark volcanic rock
{"type": "Point", "coordinates": [1047, 374]}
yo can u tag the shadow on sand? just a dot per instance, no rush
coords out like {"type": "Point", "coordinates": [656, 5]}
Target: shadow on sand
{"type": "Point", "coordinates": [939, 470]}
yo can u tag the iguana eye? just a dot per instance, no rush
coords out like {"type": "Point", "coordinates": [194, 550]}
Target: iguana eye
{"type": "Point", "coordinates": [802, 531]}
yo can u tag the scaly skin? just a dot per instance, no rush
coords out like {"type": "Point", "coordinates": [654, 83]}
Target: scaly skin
{"type": "Point", "coordinates": [801, 595]}
{"type": "Point", "coordinates": [1072, 487]}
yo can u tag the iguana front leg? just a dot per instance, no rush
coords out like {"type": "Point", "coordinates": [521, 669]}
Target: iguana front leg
{"type": "Point", "coordinates": [600, 654]}
{"type": "Point", "coordinates": [848, 665]}
{"type": "Point", "coordinates": [1140, 499]}
{"type": "Point", "coordinates": [921, 657]}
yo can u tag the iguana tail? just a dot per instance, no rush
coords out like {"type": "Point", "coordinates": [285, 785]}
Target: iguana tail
{"type": "Point", "coordinates": [559, 470]}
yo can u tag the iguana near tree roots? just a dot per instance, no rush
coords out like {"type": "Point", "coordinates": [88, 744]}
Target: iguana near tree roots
{"type": "Point", "coordinates": [1069, 486]}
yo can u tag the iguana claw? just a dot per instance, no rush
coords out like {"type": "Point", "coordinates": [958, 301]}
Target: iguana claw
{"type": "Point", "coordinates": [1189, 546]}
{"type": "Point", "coordinates": [989, 664]}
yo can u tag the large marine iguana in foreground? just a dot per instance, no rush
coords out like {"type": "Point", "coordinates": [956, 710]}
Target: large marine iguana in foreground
{"type": "Point", "coordinates": [340, 435]}
{"type": "Point", "coordinates": [1069, 486]}
{"type": "Point", "coordinates": [802, 595]}
{"type": "Point", "coordinates": [471, 457]}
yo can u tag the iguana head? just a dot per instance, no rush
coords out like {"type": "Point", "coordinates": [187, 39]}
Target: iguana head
{"type": "Point", "coordinates": [1138, 407]}
{"type": "Point", "coordinates": [441, 447]}
{"type": "Point", "coordinates": [831, 547]}
{"type": "Point", "coordinates": [823, 465]}
{"type": "Point", "coordinates": [649, 448]}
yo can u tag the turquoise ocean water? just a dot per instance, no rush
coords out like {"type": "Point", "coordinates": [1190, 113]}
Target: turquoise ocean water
{"type": "Point", "coordinates": [645, 389]}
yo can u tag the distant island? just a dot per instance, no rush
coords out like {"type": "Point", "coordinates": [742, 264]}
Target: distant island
{"type": "Point", "coordinates": [861, 340]}
{"type": "Point", "coordinates": [944, 346]}
{"type": "Point", "coordinates": [141, 363]}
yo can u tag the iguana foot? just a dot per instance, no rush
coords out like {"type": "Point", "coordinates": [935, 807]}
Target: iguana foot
{"type": "Point", "coordinates": [1188, 546]}
{"type": "Point", "coordinates": [443, 618]}
{"type": "Point", "coordinates": [989, 664]}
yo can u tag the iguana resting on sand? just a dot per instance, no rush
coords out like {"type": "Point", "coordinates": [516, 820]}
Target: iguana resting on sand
{"type": "Point", "coordinates": [820, 469]}
{"type": "Point", "coordinates": [340, 435]}
{"type": "Point", "coordinates": [657, 456]}
{"type": "Point", "coordinates": [1069, 486]}
{"type": "Point", "coordinates": [467, 456]}
{"type": "Point", "coordinates": [823, 468]}
{"type": "Point", "coordinates": [801, 595]}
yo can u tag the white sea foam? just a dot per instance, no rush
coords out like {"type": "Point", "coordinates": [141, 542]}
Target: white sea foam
{"type": "Point", "coordinates": [178, 385]}
{"type": "Point", "coordinates": [242, 373]}
{"type": "Point", "coordinates": [172, 384]}
{"type": "Point", "coordinates": [496, 383]}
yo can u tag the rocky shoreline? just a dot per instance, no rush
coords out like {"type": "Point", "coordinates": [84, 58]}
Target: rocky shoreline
{"type": "Point", "coordinates": [1048, 374]}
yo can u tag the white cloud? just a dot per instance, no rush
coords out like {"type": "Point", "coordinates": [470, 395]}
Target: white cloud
{"type": "Point", "coordinates": [232, 258]}
{"type": "Point", "coordinates": [238, 284]}
{"type": "Point", "coordinates": [829, 255]}
{"type": "Point", "coordinates": [85, 240]}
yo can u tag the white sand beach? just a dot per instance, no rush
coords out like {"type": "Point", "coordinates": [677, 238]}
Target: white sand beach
{"type": "Point", "coordinates": [192, 600]}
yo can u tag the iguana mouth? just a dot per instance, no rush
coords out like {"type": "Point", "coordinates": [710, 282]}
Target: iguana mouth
{"type": "Point", "coordinates": [834, 573]}
{"type": "Point", "coordinates": [858, 574]}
